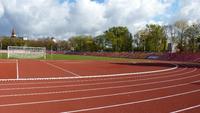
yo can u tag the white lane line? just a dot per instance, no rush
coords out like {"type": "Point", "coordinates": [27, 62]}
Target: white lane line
{"type": "Point", "coordinates": [101, 79]}
{"type": "Point", "coordinates": [72, 62]}
{"type": "Point", "coordinates": [103, 83]}
{"type": "Point", "coordinates": [64, 61]}
{"type": "Point", "coordinates": [135, 102]}
{"type": "Point", "coordinates": [186, 109]}
{"type": "Point", "coordinates": [196, 59]}
{"type": "Point", "coordinates": [17, 69]}
{"type": "Point", "coordinates": [95, 76]}
{"type": "Point", "coordinates": [115, 87]}
{"type": "Point", "coordinates": [55, 66]}
{"type": "Point", "coordinates": [101, 96]}
{"type": "Point", "coordinates": [7, 62]}
{"type": "Point", "coordinates": [127, 77]}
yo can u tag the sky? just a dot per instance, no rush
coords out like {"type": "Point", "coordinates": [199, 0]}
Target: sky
{"type": "Point", "coordinates": [65, 18]}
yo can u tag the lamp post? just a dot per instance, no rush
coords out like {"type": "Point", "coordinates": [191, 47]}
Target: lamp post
{"type": "Point", "coordinates": [54, 41]}
{"type": "Point", "coordinates": [1, 49]}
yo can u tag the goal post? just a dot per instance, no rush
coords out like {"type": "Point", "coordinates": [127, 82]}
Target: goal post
{"type": "Point", "coordinates": [26, 52]}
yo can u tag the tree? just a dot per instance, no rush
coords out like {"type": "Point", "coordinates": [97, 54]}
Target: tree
{"type": "Point", "coordinates": [171, 33]}
{"type": "Point", "coordinates": [63, 45]}
{"type": "Point", "coordinates": [153, 38]}
{"type": "Point", "coordinates": [181, 25]}
{"type": "Point", "coordinates": [192, 33]}
{"type": "Point", "coordinates": [100, 42]}
{"type": "Point", "coordinates": [119, 38]}
{"type": "Point", "coordinates": [83, 43]}
{"type": "Point", "coordinates": [7, 41]}
{"type": "Point", "coordinates": [140, 39]}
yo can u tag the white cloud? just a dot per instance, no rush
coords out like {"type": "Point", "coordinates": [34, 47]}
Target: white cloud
{"type": "Point", "coordinates": [86, 16]}
{"type": "Point", "coordinates": [190, 10]}
{"type": "Point", "coordinates": [134, 13]}
{"type": "Point", "coordinates": [36, 17]}
{"type": "Point", "coordinates": [1, 9]}
{"type": "Point", "coordinates": [51, 18]}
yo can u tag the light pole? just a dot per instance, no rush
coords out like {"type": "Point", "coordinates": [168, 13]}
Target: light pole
{"type": "Point", "coordinates": [1, 49]}
{"type": "Point", "coordinates": [54, 41]}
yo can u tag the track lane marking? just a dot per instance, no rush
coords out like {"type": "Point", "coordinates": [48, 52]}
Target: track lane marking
{"type": "Point", "coordinates": [142, 79]}
{"type": "Point", "coordinates": [186, 109]}
{"type": "Point", "coordinates": [100, 96]}
{"type": "Point", "coordinates": [124, 81]}
{"type": "Point", "coordinates": [108, 95]}
{"type": "Point", "coordinates": [7, 62]}
{"type": "Point", "coordinates": [134, 102]}
{"type": "Point", "coordinates": [17, 69]}
{"type": "Point", "coordinates": [95, 76]}
{"type": "Point", "coordinates": [58, 67]}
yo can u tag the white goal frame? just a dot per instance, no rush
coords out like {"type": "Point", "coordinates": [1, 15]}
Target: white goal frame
{"type": "Point", "coordinates": [26, 52]}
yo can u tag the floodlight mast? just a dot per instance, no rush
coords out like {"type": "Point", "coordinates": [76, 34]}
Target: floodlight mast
{"type": "Point", "coordinates": [54, 41]}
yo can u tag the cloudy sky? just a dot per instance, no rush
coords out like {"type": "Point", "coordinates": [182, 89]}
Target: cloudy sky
{"type": "Point", "coordinates": [65, 18]}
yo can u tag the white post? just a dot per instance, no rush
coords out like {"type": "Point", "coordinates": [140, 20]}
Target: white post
{"type": "Point", "coordinates": [45, 54]}
{"type": "Point", "coordinates": [8, 54]}
{"type": "Point", "coordinates": [17, 69]}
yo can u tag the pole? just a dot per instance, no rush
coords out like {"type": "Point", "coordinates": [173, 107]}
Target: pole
{"type": "Point", "coordinates": [51, 51]}
{"type": "Point", "coordinates": [1, 50]}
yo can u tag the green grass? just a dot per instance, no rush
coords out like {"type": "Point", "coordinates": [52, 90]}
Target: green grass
{"type": "Point", "coordinates": [69, 57]}
{"type": "Point", "coordinates": [78, 57]}
{"type": "Point", "coordinates": [81, 57]}
{"type": "Point", "coordinates": [3, 56]}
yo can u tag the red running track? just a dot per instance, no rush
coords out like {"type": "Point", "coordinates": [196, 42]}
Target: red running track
{"type": "Point", "coordinates": [175, 91]}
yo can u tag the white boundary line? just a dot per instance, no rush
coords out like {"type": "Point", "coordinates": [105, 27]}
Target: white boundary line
{"type": "Point", "coordinates": [111, 87]}
{"type": "Point", "coordinates": [185, 109]}
{"type": "Point", "coordinates": [17, 69]}
{"type": "Point", "coordinates": [55, 66]}
{"type": "Point", "coordinates": [123, 81]}
{"type": "Point", "coordinates": [135, 102]}
{"type": "Point", "coordinates": [108, 95]}
{"type": "Point", "coordinates": [95, 76]}
{"type": "Point", "coordinates": [7, 62]}
{"type": "Point", "coordinates": [113, 78]}
{"type": "Point", "coordinates": [196, 60]}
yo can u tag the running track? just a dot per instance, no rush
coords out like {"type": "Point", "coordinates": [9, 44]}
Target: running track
{"type": "Point", "coordinates": [176, 90]}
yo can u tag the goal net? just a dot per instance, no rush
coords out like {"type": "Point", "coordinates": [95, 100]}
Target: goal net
{"type": "Point", "coordinates": [26, 52]}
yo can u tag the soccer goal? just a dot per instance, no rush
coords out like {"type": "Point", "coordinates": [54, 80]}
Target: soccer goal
{"type": "Point", "coordinates": [26, 52]}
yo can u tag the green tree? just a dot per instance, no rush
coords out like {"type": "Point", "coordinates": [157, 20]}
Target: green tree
{"type": "Point", "coordinates": [83, 43]}
{"type": "Point", "coordinates": [141, 39]}
{"type": "Point", "coordinates": [7, 41]}
{"type": "Point", "coordinates": [192, 33]}
{"type": "Point", "coordinates": [100, 42]}
{"type": "Point", "coordinates": [156, 38]}
{"type": "Point", "coordinates": [119, 38]}
{"type": "Point", "coordinates": [152, 38]}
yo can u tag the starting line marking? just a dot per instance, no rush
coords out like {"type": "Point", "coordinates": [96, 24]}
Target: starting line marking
{"type": "Point", "coordinates": [96, 76]}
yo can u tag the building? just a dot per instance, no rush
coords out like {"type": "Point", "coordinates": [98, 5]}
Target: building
{"type": "Point", "coordinates": [13, 34]}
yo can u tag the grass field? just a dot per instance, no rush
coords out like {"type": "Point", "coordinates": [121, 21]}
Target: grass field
{"type": "Point", "coordinates": [78, 57]}
{"type": "Point", "coordinates": [70, 57]}
{"type": "Point", "coordinates": [3, 56]}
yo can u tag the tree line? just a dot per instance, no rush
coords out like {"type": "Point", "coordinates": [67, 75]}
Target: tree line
{"type": "Point", "coordinates": [181, 35]}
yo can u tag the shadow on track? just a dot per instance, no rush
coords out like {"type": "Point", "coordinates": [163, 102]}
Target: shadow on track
{"type": "Point", "coordinates": [147, 64]}
{"type": "Point", "coordinates": [181, 65]}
